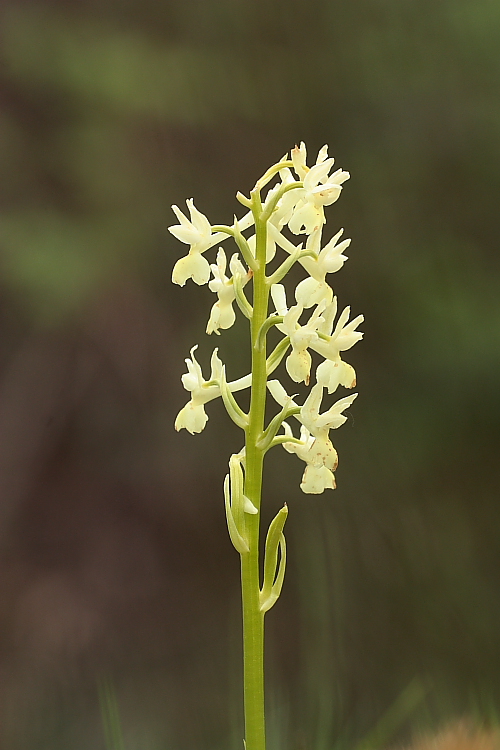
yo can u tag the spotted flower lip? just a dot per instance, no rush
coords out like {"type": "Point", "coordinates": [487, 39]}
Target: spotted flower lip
{"type": "Point", "coordinates": [315, 446]}
{"type": "Point", "coordinates": [316, 477]}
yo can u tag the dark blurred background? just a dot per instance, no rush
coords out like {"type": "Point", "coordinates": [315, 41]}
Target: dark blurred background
{"type": "Point", "coordinates": [115, 560]}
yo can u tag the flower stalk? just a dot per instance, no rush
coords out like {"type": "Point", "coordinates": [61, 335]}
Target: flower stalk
{"type": "Point", "coordinates": [297, 203]}
{"type": "Point", "coordinates": [253, 617]}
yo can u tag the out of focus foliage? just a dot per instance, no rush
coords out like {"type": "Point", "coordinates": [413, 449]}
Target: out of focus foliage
{"type": "Point", "coordinates": [113, 111]}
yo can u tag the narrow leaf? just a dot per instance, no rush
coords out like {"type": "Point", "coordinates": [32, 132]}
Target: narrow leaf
{"type": "Point", "coordinates": [239, 543]}
{"type": "Point", "coordinates": [271, 574]}
{"type": "Point", "coordinates": [266, 605]}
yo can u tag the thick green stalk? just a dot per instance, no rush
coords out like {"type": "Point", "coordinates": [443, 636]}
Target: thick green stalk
{"type": "Point", "coordinates": [253, 618]}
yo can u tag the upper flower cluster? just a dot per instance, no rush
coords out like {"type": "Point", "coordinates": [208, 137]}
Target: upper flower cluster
{"type": "Point", "coordinates": [301, 209]}
{"type": "Point", "coordinates": [295, 203]}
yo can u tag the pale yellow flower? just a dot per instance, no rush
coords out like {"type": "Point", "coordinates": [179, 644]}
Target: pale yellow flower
{"type": "Point", "coordinates": [330, 259]}
{"type": "Point", "coordinates": [192, 416]}
{"type": "Point", "coordinates": [320, 189]}
{"type": "Point", "coordinates": [317, 476]}
{"type": "Point", "coordinates": [298, 362]}
{"type": "Point", "coordinates": [198, 234]}
{"type": "Point", "coordinates": [222, 314]}
{"type": "Point", "coordinates": [334, 371]}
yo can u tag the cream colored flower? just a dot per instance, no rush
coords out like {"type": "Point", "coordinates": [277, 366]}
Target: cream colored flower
{"type": "Point", "coordinates": [314, 446]}
{"type": "Point", "coordinates": [285, 207]}
{"type": "Point", "coordinates": [192, 417]}
{"type": "Point", "coordinates": [297, 201]}
{"type": "Point", "coordinates": [344, 336]}
{"type": "Point", "coordinates": [317, 477]}
{"type": "Point", "coordinates": [313, 290]}
{"type": "Point", "coordinates": [222, 314]}
{"type": "Point", "coordinates": [334, 371]}
{"type": "Point", "coordinates": [319, 425]}
{"type": "Point", "coordinates": [298, 363]}
{"type": "Point", "coordinates": [320, 189]}
{"type": "Point", "coordinates": [198, 234]}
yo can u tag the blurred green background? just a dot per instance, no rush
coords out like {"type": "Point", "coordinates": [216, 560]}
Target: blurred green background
{"type": "Point", "coordinates": [115, 562]}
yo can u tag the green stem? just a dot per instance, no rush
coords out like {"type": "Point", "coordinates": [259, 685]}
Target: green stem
{"type": "Point", "coordinates": [253, 618]}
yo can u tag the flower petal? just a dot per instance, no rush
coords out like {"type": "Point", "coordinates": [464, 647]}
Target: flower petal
{"type": "Point", "coordinates": [317, 479]}
{"type": "Point", "coordinates": [193, 266]}
{"type": "Point", "coordinates": [192, 418]}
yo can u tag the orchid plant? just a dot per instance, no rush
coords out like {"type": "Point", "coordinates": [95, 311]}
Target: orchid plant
{"type": "Point", "coordinates": [294, 205]}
